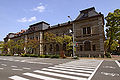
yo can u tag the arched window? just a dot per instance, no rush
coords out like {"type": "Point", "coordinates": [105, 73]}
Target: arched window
{"type": "Point", "coordinates": [57, 47]}
{"type": "Point", "coordinates": [87, 46]}
{"type": "Point", "coordinates": [50, 47]}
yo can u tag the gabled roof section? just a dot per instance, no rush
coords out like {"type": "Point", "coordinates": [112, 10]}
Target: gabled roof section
{"type": "Point", "coordinates": [90, 12]}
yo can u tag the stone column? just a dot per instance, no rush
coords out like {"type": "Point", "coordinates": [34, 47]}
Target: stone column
{"type": "Point", "coordinates": [41, 42]}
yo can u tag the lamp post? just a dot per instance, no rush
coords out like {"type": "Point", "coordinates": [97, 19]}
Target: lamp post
{"type": "Point", "coordinates": [72, 35]}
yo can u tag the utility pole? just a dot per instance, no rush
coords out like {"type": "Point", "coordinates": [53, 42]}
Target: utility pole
{"type": "Point", "coordinates": [72, 34]}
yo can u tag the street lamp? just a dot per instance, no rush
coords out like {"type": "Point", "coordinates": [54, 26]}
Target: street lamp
{"type": "Point", "coordinates": [72, 35]}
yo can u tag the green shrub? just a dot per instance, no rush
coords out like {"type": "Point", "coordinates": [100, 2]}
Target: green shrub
{"type": "Point", "coordinates": [47, 56]}
{"type": "Point", "coordinates": [33, 55]}
{"type": "Point", "coordinates": [108, 55]}
{"type": "Point", "coordinates": [55, 56]}
{"type": "Point", "coordinates": [42, 56]}
{"type": "Point", "coordinates": [2, 54]}
{"type": "Point", "coordinates": [8, 54]}
{"type": "Point", "coordinates": [25, 55]}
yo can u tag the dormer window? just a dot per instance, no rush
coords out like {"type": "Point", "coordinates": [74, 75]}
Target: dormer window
{"type": "Point", "coordinates": [85, 14]}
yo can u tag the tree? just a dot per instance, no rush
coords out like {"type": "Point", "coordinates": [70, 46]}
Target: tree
{"type": "Point", "coordinates": [32, 45]}
{"type": "Point", "coordinates": [1, 46]}
{"type": "Point", "coordinates": [9, 46]}
{"type": "Point", "coordinates": [113, 28]}
{"type": "Point", "coordinates": [19, 46]}
{"type": "Point", "coordinates": [62, 39]}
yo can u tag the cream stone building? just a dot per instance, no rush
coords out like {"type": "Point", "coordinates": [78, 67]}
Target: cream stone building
{"type": "Point", "coordinates": [88, 34]}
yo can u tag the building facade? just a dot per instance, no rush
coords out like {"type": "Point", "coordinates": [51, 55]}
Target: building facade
{"type": "Point", "coordinates": [88, 34]}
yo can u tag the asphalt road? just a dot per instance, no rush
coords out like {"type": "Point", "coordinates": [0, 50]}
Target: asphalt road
{"type": "Point", "coordinates": [108, 70]}
{"type": "Point", "coordinates": [26, 68]}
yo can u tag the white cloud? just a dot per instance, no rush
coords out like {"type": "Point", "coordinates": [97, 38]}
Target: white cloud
{"type": "Point", "coordinates": [27, 20]}
{"type": "Point", "coordinates": [32, 19]}
{"type": "Point", "coordinates": [40, 8]}
{"type": "Point", "coordinates": [22, 20]}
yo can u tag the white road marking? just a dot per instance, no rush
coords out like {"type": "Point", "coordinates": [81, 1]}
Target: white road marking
{"type": "Point", "coordinates": [16, 60]}
{"type": "Point", "coordinates": [109, 74]}
{"type": "Point", "coordinates": [14, 66]}
{"type": "Point", "coordinates": [4, 59]}
{"type": "Point", "coordinates": [17, 78]}
{"type": "Point", "coordinates": [60, 75]}
{"type": "Point", "coordinates": [1, 68]}
{"type": "Point", "coordinates": [26, 68]}
{"type": "Point", "coordinates": [74, 66]}
{"type": "Point", "coordinates": [3, 64]}
{"type": "Point", "coordinates": [17, 69]}
{"type": "Point", "coordinates": [72, 70]}
{"type": "Point", "coordinates": [117, 63]}
{"type": "Point", "coordinates": [22, 61]}
{"type": "Point", "coordinates": [39, 76]}
{"type": "Point", "coordinates": [109, 67]}
{"type": "Point", "coordinates": [95, 70]}
{"type": "Point", "coordinates": [67, 72]}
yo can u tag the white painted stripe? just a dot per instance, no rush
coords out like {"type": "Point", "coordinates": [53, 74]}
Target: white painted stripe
{"type": "Point", "coordinates": [3, 64]}
{"type": "Point", "coordinates": [17, 69]}
{"type": "Point", "coordinates": [16, 60]}
{"type": "Point", "coordinates": [60, 75]}
{"type": "Point", "coordinates": [1, 68]}
{"type": "Point", "coordinates": [77, 67]}
{"type": "Point", "coordinates": [67, 72]}
{"type": "Point", "coordinates": [40, 76]}
{"type": "Point", "coordinates": [14, 66]}
{"type": "Point", "coordinates": [17, 78]}
{"type": "Point", "coordinates": [117, 63]}
{"type": "Point", "coordinates": [95, 70]}
{"type": "Point", "coordinates": [26, 68]}
{"type": "Point", "coordinates": [72, 70]}
{"type": "Point", "coordinates": [10, 60]}
{"type": "Point", "coordinates": [40, 63]}
{"type": "Point", "coordinates": [80, 65]}
{"type": "Point", "coordinates": [4, 59]}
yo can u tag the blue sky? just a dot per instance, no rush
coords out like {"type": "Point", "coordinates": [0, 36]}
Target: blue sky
{"type": "Point", "coordinates": [19, 14]}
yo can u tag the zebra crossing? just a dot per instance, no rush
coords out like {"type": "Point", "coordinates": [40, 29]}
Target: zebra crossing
{"type": "Point", "coordinates": [74, 70]}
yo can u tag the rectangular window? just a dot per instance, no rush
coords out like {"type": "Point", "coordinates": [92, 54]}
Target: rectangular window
{"type": "Point", "coordinates": [94, 48]}
{"type": "Point", "coordinates": [81, 48]}
{"type": "Point", "coordinates": [84, 30]}
{"type": "Point", "coordinates": [88, 30]}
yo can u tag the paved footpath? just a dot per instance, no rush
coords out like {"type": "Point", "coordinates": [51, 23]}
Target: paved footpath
{"type": "Point", "coordinates": [108, 70]}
